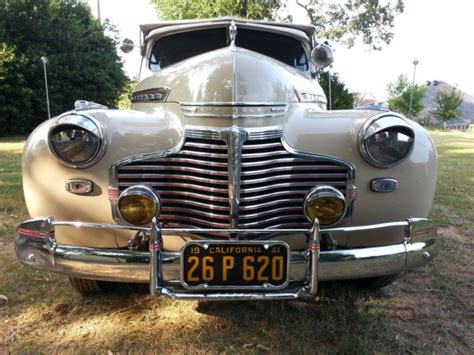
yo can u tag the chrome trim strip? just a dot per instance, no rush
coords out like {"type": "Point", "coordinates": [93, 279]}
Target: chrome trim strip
{"type": "Point", "coordinates": [291, 168]}
{"type": "Point", "coordinates": [235, 139]}
{"type": "Point", "coordinates": [234, 103]}
{"type": "Point", "coordinates": [167, 210]}
{"type": "Point", "coordinates": [233, 111]}
{"type": "Point", "coordinates": [236, 230]}
{"type": "Point", "coordinates": [293, 176]}
{"type": "Point", "coordinates": [151, 177]}
{"type": "Point", "coordinates": [190, 186]}
{"type": "Point", "coordinates": [175, 168]}
{"type": "Point", "coordinates": [196, 203]}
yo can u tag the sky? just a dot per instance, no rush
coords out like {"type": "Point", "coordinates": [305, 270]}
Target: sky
{"type": "Point", "coordinates": [435, 32]}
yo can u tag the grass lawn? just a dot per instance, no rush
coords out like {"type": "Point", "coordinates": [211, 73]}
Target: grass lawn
{"type": "Point", "coordinates": [426, 310]}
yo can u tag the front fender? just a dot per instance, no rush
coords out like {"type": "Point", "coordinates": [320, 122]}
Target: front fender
{"type": "Point", "coordinates": [126, 133]}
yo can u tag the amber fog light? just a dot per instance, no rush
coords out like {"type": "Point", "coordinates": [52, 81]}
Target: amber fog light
{"type": "Point", "coordinates": [138, 205]}
{"type": "Point", "coordinates": [325, 203]}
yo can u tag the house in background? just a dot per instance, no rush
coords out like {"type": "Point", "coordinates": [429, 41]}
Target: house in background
{"type": "Point", "coordinates": [467, 107]}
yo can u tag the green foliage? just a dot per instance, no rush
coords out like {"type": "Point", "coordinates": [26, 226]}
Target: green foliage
{"type": "Point", "coordinates": [189, 9]}
{"type": "Point", "coordinates": [447, 102]}
{"type": "Point", "coordinates": [399, 96]}
{"type": "Point", "coordinates": [125, 101]}
{"type": "Point", "coordinates": [365, 19]}
{"type": "Point", "coordinates": [341, 97]}
{"type": "Point", "coordinates": [369, 20]}
{"type": "Point", "coordinates": [83, 63]}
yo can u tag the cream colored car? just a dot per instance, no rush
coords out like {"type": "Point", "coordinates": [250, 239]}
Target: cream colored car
{"type": "Point", "coordinates": [228, 178]}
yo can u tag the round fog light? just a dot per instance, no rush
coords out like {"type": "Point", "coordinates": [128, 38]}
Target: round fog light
{"type": "Point", "coordinates": [325, 203]}
{"type": "Point", "coordinates": [138, 205]}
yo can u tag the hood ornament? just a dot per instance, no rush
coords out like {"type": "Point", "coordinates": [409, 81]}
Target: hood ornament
{"type": "Point", "coordinates": [232, 33]}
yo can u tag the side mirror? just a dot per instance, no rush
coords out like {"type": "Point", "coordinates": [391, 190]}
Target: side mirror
{"type": "Point", "coordinates": [322, 56]}
{"type": "Point", "coordinates": [127, 45]}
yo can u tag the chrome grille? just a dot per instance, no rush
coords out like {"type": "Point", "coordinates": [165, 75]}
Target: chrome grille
{"type": "Point", "coordinates": [194, 184]}
{"type": "Point", "coordinates": [275, 181]}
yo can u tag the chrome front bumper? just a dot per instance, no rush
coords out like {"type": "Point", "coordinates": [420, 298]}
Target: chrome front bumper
{"type": "Point", "coordinates": [37, 248]}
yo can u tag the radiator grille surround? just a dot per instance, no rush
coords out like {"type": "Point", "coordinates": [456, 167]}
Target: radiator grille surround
{"type": "Point", "coordinates": [194, 182]}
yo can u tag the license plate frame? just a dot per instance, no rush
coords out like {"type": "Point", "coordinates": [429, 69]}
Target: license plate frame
{"type": "Point", "coordinates": [265, 245]}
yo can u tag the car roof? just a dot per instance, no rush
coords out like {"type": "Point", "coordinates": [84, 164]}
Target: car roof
{"type": "Point", "coordinates": [147, 28]}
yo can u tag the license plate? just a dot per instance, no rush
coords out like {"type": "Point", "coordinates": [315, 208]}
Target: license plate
{"type": "Point", "coordinates": [235, 264]}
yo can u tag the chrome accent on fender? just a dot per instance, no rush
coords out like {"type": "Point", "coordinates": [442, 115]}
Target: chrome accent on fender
{"type": "Point", "coordinates": [37, 248]}
{"type": "Point", "coordinates": [80, 105]}
{"type": "Point", "coordinates": [79, 186]}
{"type": "Point", "coordinates": [378, 123]}
{"type": "Point", "coordinates": [324, 191]}
{"type": "Point", "coordinates": [383, 184]}
{"type": "Point", "coordinates": [83, 121]}
{"type": "Point", "coordinates": [158, 94]}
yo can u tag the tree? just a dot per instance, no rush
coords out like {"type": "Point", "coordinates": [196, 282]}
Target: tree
{"type": "Point", "coordinates": [340, 96]}
{"type": "Point", "coordinates": [448, 101]}
{"type": "Point", "coordinates": [83, 63]}
{"type": "Point", "coordinates": [366, 19]}
{"type": "Point", "coordinates": [188, 9]}
{"type": "Point", "coordinates": [400, 93]}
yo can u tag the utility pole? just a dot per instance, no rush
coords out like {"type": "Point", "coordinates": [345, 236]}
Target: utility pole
{"type": "Point", "coordinates": [98, 12]}
{"type": "Point", "coordinates": [330, 89]}
{"type": "Point", "coordinates": [44, 59]}
{"type": "Point", "coordinates": [415, 63]}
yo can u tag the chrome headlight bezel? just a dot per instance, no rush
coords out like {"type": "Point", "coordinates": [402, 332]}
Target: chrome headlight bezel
{"type": "Point", "coordinates": [82, 122]}
{"type": "Point", "coordinates": [383, 123]}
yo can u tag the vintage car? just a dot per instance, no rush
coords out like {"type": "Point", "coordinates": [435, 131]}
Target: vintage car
{"type": "Point", "coordinates": [228, 179]}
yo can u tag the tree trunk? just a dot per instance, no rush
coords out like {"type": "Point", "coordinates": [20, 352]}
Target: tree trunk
{"type": "Point", "coordinates": [445, 125]}
{"type": "Point", "coordinates": [243, 8]}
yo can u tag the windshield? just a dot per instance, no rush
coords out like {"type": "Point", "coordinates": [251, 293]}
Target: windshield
{"type": "Point", "coordinates": [175, 48]}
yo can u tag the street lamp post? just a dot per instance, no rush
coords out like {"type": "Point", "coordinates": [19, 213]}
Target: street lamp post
{"type": "Point", "coordinates": [45, 61]}
{"type": "Point", "coordinates": [415, 63]}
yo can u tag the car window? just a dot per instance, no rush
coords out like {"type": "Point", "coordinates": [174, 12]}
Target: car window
{"type": "Point", "coordinates": [174, 48]}
{"type": "Point", "coordinates": [283, 48]}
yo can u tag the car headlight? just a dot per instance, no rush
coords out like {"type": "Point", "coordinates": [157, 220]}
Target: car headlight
{"type": "Point", "coordinates": [138, 205]}
{"type": "Point", "coordinates": [386, 140]}
{"type": "Point", "coordinates": [76, 140]}
{"type": "Point", "coordinates": [325, 203]}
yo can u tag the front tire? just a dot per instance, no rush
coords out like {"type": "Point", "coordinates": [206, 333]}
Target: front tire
{"type": "Point", "coordinates": [86, 287]}
{"type": "Point", "coordinates": [374, 283]}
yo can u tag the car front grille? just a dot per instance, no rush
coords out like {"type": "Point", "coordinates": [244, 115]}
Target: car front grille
{"type": "Point", "coordinates": [194, 185]}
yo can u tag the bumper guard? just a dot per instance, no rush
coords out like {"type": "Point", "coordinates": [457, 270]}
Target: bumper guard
{"type": "Point", "coordinates": [37, 248]}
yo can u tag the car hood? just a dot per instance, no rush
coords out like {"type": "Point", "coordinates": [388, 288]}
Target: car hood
{"type": "Point", "coordinates": [232, 75]}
